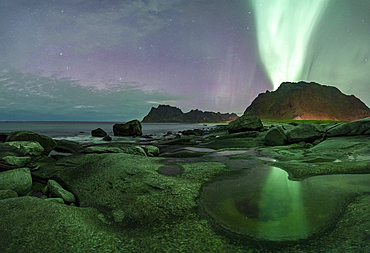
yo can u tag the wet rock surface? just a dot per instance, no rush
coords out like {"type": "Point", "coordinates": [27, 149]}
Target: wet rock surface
{"type": "Point", "coordinates": [206, 191]}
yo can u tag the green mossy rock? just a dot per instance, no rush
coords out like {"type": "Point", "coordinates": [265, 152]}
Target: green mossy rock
{"type": "Point", "coordinates": [127, 188]}
{"type": "Point", "coordinates": [18, 180]}
{"type": "Point", "coordinates": [7, 194]}
{"type": "Point", "coordinates": [46, 142]}
{"type": "Point", "coordinates": [30, 224]}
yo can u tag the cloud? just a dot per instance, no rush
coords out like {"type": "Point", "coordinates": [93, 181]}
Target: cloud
{"type": "Point", "coordinates": [36, 97]}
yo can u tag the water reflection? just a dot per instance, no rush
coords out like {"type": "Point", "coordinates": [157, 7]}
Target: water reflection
{"type": "Point", "coordinates": [266, 205]}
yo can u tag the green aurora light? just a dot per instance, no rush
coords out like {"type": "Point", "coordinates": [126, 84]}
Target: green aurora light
{"type": "Point", "coordinates": [284, 29]}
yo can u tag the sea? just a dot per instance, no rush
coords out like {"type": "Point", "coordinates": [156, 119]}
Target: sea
{"type": "Point", "coordinates": [81, 131]}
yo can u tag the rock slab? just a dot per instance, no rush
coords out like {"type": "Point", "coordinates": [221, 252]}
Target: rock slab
{"type": "Point", "coordinates": [357, 127]}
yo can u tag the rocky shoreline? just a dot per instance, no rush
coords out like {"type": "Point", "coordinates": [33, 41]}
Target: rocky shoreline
{"type": "Point", "coordinates": [156, 195]}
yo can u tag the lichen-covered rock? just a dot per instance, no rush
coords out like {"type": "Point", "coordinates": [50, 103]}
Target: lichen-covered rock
{"type": "Point", "coordinates": [26, 148]}
{"type": "Point", "coordinates": [305, 132]}
{"type": "Point", "coordinates": [57, 190]}
{"type": "Point", "coordinates": [18, 180]}
{"type": "Point", "coordinates": [275, 136]}
{"type": "Point", "coordinates": [128, 187]}
{"type": "Point", "coordinates": [98, 132]}
{"type": "Point", "coordinates": [245, 123]}
{"type": "Point", "coordinates": [16, 161]}
{"type": "Point", "coordinates": [131, 128]}
{"type": "Point", "coordinates": [46, 142]}
{"type": "Point", "coordinates": [30, 224]}
{"type": "Point", "coordinates": [357, 127]}
{"type": "Point", "coordinates": [7, 194]}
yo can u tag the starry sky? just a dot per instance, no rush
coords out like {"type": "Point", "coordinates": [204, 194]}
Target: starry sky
{"type": "Point", "coordinates": [114, 60]}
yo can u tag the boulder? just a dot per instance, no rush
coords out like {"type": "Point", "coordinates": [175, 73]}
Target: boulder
{"type": "Point", "coordinates": [56, 190]}
{"type": "Point", "coordinates": [151, 150]}
{"type": "Point", "coordinates": [98, 133]}
{"type": "Point", "coordinates": [18, 180]}
{"type": "Point", "coordinates": [305, 132]}
{"type": "Point", "coordinates": [357, 127]}
{"type": "Point", "coordinates": [131, 128]}
{"type": "Point", "coordinates": [17, 161]}
{"type": "Point", "coordinates": [26, 148]}
{"type": "Point", "coordinates": [46, 142]}
{"type": "Point", "coordinates": [107, 138]}
{"type": "Point", "coordinates": [245, 123]}
{"type": "Point", "coordinates": [66, 146]}
{"type": "Point", "coordinates": [7, 194]}
{"type": "Point", "coordinates": [275, 136]}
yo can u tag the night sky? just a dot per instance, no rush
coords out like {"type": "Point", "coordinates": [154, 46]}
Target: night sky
{"type": "Point", "coordinates": [114, 60]}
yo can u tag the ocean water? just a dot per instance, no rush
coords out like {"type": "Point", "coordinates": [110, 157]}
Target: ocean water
{"type": "Point", "coordinates": [81, 131]}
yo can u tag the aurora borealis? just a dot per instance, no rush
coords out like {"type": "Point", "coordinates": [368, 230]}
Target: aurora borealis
{"type": "Point", "coordinates": [114, 60]}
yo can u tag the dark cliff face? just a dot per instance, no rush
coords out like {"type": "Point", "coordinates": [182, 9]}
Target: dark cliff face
{"type": "Point", "coordinates": [166, 113]}
{"type": "Point", "coordinates": [308, 101]}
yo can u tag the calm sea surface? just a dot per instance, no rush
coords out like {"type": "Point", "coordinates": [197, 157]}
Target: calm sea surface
{"type": "Point", "coordinates": [81, 131]}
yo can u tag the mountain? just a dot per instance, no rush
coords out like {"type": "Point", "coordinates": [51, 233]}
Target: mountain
{"type": "Point", "coordinates": [166, 113]}
{"type": "Point", "coordinates": [307, 101]}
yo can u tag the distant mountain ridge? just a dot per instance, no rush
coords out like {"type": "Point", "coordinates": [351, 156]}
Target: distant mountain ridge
{"type": "Point", "coordinates": [171, 114]}
{"type": "Point", "coordinates": [307, 101]}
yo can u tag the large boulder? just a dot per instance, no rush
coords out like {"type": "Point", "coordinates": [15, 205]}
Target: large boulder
{"type": "Point", "coordinates": [245, 123]}
{"type": "Point", "coordinates": [131, 128]}
{"type": "Point", "coordinates": [128, 188]}
{"type": "Point", "coordinates": [18, 180]}
{"type": "Point", "coordinates": [98, 133]}
{"type": "Point", "coordinates": [46, 142]}
{"type": "Point", "coordinates": [305, 132]}
{"type": "Point", "coordinates": [350, 128]}
{"type": "Point", "coordinates": [275, 136]}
